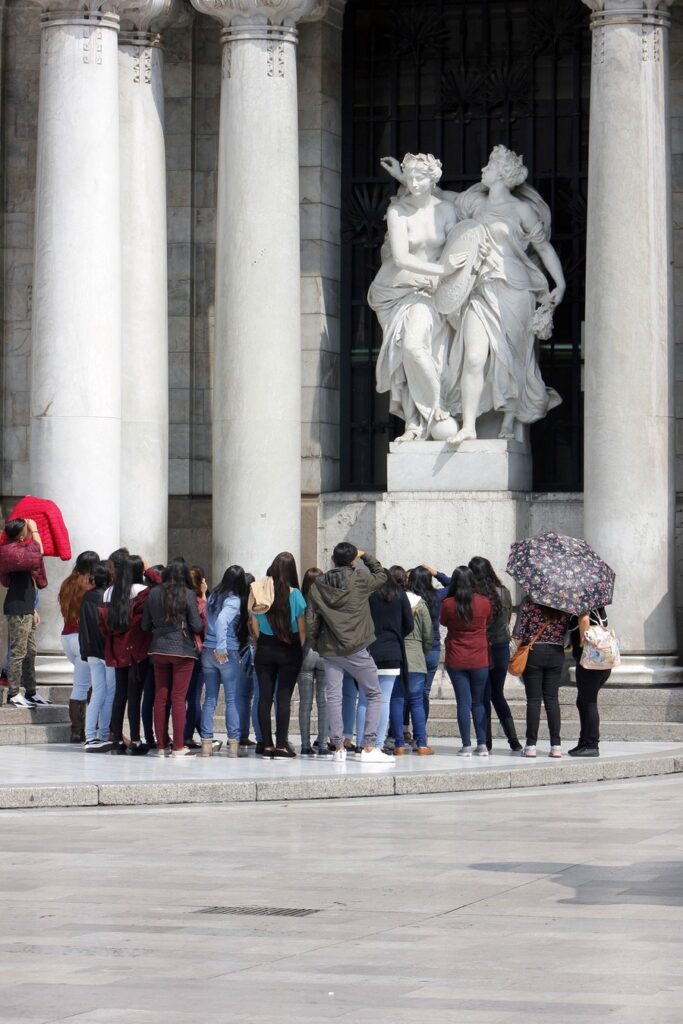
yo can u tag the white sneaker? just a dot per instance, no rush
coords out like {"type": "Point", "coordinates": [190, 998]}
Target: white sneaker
{"type": "Point", "coordinates": [19, 701]}
{"type": "Point", "coordinates": [339, 755]}
{"type": "Point", "coordinates": [482, 750]}
{"type": "Point", "coordinates": [465, 752]}
{"type": "Point", "coordinates": [41, 701]}
{"type": "Point", "coordinates": [529, 752]}
{"type": "Point", "coordinates": [183, 752]}
{"type": "Point", "coordinates": [555, 752]}
{"type": "Point", "coordinates": [376, 756]}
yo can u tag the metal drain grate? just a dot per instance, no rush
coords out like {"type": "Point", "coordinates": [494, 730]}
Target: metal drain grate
{"type": "Point", "coordinates": [260, 911]}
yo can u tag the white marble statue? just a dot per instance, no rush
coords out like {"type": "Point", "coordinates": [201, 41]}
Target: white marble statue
{"type": "Point", "coordinates": [459, 338]}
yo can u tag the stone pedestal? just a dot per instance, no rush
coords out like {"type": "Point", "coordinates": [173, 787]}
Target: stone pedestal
{"type": "Point", "coordinates": [257, 373]}
{"type": "Point", "coordinates": [144, 320]}
{"type": "Point", "coordinates": [629, 456]}
{"type": "Point", "coordinates": [482, 465]}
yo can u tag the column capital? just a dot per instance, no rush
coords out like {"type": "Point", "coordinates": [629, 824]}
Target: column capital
{"type": "Point", "coordinates": [629, 12]}
{"type": "Point", "coordinates": [145, 16]}
{"type": "Point", "coordinates": [105, 13]}
{"type": "Point", "coordinates": [264, 15]}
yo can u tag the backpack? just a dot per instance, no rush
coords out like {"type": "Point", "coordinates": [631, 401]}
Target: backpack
{"type": "Point", "coordinates": [600, 647]}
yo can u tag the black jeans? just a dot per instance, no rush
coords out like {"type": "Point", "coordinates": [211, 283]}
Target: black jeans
{"type": "Point", "coordinates": [589, 682]}
{"type": "Point", "coordinates": [277, 664]}
{"type": "Point", "coordinates": [542, 683]}
{"type": "Point", "coordinates": [129, 684]}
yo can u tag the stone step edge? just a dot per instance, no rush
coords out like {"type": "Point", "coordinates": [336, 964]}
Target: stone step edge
{"type": "Point", "coordinates": [322, 788]}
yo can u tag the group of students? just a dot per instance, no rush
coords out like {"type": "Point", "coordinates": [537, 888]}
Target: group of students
{"type": "Point", "coordinates": [155, 643]}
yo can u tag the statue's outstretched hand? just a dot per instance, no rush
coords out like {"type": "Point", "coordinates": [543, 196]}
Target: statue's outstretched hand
{"type": "Point", "coordinates": [391, 164]}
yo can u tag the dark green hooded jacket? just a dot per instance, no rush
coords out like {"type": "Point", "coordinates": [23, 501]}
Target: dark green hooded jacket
{"type": "Point", "coordinates": [338, 619]}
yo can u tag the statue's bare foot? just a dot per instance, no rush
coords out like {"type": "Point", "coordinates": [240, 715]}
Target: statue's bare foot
{"type": "Point", "coordinates": [411, 434]}
{"type": "Point", "coordinates": [440, 414]}
{"type": "Point", "coordinates": [462, 435]}
{"type": "Point", "coordinates": [507, 428]}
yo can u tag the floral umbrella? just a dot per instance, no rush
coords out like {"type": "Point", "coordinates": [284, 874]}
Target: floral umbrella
{"type": "Point", "coordinates": [561, 572]}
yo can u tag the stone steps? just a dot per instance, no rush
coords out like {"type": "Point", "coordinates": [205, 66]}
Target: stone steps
{"type": "Point", "coordinates": [38, 725]}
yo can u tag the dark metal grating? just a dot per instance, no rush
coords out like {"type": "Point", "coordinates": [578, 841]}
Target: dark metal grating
{"type": "Point", "coordinates": [260, 911]}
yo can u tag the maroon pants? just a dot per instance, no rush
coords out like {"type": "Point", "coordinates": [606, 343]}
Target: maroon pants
{"type": "Point", "coordinates": [171, 680]}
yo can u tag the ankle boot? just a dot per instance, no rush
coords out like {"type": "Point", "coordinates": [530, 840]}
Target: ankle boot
{"type": "Point", "coordinates": [84, 708]}
{"type": "Point", "coordinates": [511, 734]}
{"type": "Point", "coordinates": [77, 720]}
{"type": "Point", "coordinates": [207, 748]}
{"type": "Point", "coordinates": [233, 748]}
{"type": "Point", "coordinates": [489, 734]}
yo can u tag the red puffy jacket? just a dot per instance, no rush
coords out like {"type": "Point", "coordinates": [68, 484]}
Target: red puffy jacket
{"type": "Point", "coordinates": [17, 556]}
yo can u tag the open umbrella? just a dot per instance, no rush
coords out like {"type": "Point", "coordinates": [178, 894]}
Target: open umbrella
{"type": "Point", "coordinates": [561, 572]}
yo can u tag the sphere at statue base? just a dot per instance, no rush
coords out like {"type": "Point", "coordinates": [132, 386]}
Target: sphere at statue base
{"type": "Point", "coordinates": [441, 430]}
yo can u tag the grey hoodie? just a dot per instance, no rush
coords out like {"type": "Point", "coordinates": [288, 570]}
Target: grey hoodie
{"type": "Point", "coordinates": [338, 619]}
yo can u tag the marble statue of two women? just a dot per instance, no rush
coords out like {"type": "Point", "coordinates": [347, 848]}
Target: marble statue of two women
{"type": "Point", "coordinates": [461, 302]}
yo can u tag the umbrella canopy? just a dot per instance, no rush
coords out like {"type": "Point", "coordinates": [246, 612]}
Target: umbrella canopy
{"type": "Point", "coordinates": [561, 572]}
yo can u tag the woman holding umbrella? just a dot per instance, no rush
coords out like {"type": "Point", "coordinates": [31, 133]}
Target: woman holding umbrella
{"type": "Point", "coordinates": [545, 629]}
{"type": "Point", "coordinates": [562, 576]}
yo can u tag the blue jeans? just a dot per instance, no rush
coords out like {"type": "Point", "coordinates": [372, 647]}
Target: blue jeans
{"type": "Point", "coordinates": [414, 701]}
{"type": "Point", "coordinates": [98, 714]}
{"type": "Point", "coordinates": [470, 688]}
{"type": "Point", "coordinates": [386, 685]}
{"type": "Point", "coordinates": [432, 660]}
{"type": "Point", "coordinates": [247, 697]}
{"type": "Point", "coordinates": [193, 701]}
{"type": "Point", "coordinates": [226, 675]}
{"type": "Point", "coordinates": [349, 704]}
{"type": "Point", "coordinates": [81, 683]}
{"type": "Point", "coordinates": [500, 656]}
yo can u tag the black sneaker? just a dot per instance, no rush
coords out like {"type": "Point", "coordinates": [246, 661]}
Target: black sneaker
{"type": "Point", "coordinates": [97, 746]}
{"type": "Point", "coordinates": [585, 752]}
{"type": "Point", "coordinates": [307, 752]}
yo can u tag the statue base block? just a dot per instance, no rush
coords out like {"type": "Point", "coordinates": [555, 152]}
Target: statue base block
{"type": "Point", "coordinates": [487, 464]}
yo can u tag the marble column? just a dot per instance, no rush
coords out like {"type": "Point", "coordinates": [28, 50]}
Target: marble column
{"type": "Point", "coordinates": [257, 371]}
{"type": "Point", "coordinates": [76, 346]}
{"type": "Point", "coordinates": [629, 455]}
{"type": "Point", "coordinates": [144, 288]}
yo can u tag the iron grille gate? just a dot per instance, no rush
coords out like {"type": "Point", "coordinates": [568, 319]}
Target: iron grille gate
{"type": "Point", "coordinates": [455, 77]}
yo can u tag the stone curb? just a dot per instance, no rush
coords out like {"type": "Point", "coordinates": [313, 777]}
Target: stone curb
{"type": "Point", "coordinates": [336, 787]}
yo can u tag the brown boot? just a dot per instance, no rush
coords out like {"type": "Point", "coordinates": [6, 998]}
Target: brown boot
{"type": "Point", "coordinates": [77, 720]}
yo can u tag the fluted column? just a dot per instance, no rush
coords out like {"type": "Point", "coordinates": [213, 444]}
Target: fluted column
{"type": "Point", "coordinates": [257, 375]}
{"type": "Point", "coordinates": [76, 347]}
{"type": "Point", "coordinates": [144, 285]}
{"type": "Point", "coordinates": [629, 455]}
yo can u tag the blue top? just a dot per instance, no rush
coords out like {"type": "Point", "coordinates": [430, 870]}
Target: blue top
{"type": "Point", "coordinates": [297, 606]}
{"type": "Point", "coordinates": [222, 624]}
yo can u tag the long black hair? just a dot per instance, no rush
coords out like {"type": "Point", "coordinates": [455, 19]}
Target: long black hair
{"type": "Point", "coordinates": [420, 582]}
{"type": "Point", "coordinates": [175, 582]}
{"type": "Point", "coordinates": [234, 582]}
{"type": "Point", "coordinates": [127, 571]}
{"type": "Point", "coordinates": [462, 589]}
{"type": "Point", "coordinates": [310, 576]}
{"type": "Point", "coordinates": [284, 575]}
{"type": "Point", "coordinates": [486, 582]}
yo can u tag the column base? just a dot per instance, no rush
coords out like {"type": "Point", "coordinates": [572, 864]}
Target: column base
{"type": "Point", "coordinates": [640, 670]}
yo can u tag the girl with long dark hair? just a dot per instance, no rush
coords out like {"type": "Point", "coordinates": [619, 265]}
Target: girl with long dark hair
{"type": "Point", "coordinates": [408, 690]}
{"type": "Point", "coordinates": [171, 615]}
{"type": "Point", "coordinates": [312, 681]}
{"type": "Point", "coordinates": [421, 582]}
{"type": "Point", "coordinates": [247, 690]}
{"type": "Point", "coordinates": [226, 633]}
{"type": "Point", "coordinates": [393, 621]}
{"type": "Point", "coordinates": [115, 620]}
{"type": "Point", "coordinates": [466, 615]}
{"type": "Point", "coordinates": [193, 699]}
{"type": "Point", "coordinates": [280, 634]}
{"type": "Point", "coordinates": [91, 650]}
{"type": "Point", "coordinates": [544, 628]}
{"type": "Point", "coordinates": [71, 594]}
{"type": "Point", "coordinates": [487, 584]}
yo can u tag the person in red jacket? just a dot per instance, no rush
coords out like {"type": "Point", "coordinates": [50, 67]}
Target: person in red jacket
{"type": "Point", "coordinates": [466, 614]}
{"type": "Point", "coordinates": [21, 571]}
{"type": "Point", "coordinates": [116, 621]}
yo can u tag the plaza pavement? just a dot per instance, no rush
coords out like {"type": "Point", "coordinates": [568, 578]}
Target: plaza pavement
{"type": "Point", "coordinates": [560, 904]}
{"type": "Point", "coordinates": [63, 775]}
